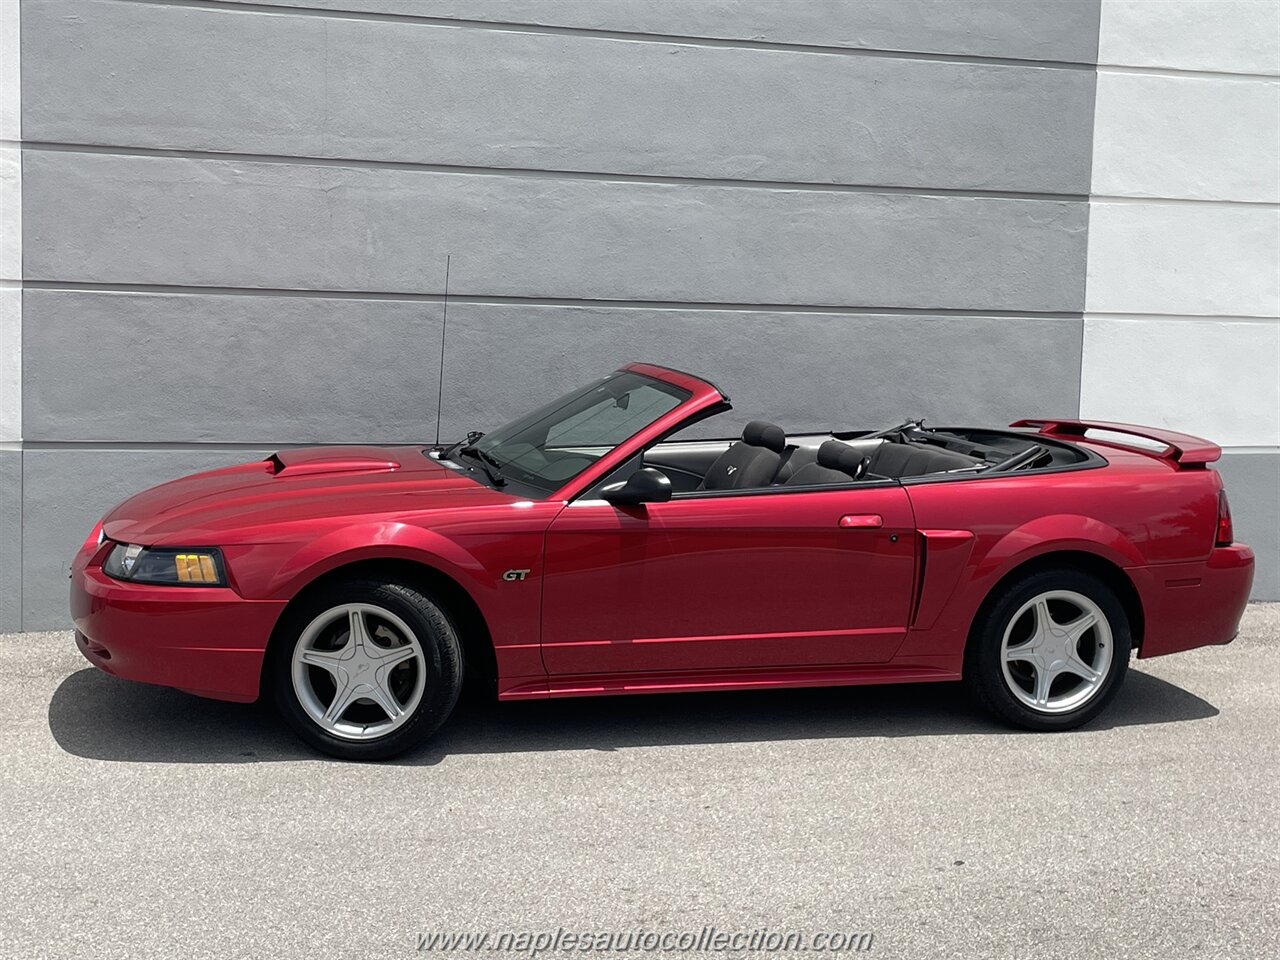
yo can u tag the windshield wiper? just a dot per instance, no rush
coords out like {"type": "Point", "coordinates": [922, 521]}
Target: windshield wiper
{"type": "Point", "coordinates": [446, 452]}
{"type": "Point", "coordinates": [491, 467]}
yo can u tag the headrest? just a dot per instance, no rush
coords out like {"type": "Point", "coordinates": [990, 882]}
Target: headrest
{"type": "Point", "coordinates": [835, 455]}
{"type": "Point", "coordinates": [761, 434]}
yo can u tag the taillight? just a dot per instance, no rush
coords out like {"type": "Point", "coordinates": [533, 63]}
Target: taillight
{"type": "Point", "coordinates": [1225, 534]}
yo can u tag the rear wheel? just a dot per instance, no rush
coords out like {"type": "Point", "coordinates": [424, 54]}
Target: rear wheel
{"type": "Point", "coordinates": [1050, 652]}
{"type": "Point", "coordinates": [367, 670]}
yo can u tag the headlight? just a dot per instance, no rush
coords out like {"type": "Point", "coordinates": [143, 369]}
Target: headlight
{"type": "Point", "coordinates": [184, 566]}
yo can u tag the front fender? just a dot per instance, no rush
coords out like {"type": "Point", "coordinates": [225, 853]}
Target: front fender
{"type": "Point", "coordinates": [467, 552]}
{"type": "Point", "coordinates": [383, 540]}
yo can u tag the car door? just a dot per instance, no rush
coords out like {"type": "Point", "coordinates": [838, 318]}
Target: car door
{"type": "Point", "coordinates": [715, 581]}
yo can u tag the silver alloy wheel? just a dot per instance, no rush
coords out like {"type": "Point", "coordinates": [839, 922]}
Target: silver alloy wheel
{"type": "Point", "coordinates": [1056, 651]}
{"type": "Point", "coordinates": [359, 671]}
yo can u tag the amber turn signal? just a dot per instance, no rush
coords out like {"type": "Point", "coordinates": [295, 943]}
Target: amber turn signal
{"type": "Point", "coordinates": [196, 568]}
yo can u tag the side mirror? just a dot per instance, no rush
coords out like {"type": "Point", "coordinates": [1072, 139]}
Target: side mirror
{"type": "Point", "coordinates": [646, 485]}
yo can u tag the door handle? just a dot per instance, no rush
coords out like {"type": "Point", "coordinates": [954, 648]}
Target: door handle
{"type": "Point", "coordinates": [861, 520]}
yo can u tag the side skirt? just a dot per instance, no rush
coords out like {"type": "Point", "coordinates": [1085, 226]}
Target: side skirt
{"type": "Point", "coordinates": [778, 678]}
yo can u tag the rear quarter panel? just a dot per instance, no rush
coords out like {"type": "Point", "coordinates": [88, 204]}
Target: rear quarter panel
{"type": "Point", "coordinates": [1135, 511]}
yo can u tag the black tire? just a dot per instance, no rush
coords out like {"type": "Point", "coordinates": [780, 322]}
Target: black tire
{"type": "Point", "coordinates": [984, 669]}
{"type": "Point", "coordinates": [441, 653]}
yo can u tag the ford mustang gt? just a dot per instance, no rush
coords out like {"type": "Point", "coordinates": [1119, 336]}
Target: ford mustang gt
{"type": "Point", "coordinates": [594, 547]}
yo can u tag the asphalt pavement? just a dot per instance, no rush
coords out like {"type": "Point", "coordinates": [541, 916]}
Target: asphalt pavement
{"type": "Point", "coordinates": [142, 822]}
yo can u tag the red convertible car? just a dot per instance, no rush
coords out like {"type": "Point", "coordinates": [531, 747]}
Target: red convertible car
{"type": "Point", "coordinates": [587, 548]}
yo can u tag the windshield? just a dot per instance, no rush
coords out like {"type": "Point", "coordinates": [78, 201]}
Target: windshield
{"type": "Point", "coordinates": [556, 442]}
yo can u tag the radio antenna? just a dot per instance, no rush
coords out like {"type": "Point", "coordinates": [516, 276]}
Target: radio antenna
{"type": "Point", "coordinates": [444, 325]}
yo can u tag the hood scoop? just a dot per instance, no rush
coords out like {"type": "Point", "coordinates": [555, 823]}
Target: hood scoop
{"type": "Point", "coordinates": [312, 461]}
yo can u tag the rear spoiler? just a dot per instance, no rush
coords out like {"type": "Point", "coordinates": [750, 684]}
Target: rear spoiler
{"type": "Point", "coordinates": [1180, 448]}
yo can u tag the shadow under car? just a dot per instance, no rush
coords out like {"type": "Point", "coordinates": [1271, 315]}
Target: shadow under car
{"type": "Point", "coordinates": [97, 716]}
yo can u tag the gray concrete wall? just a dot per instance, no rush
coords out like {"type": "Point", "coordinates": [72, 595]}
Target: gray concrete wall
{"type": "Point", "coordinates": [1026, 30]}
{"type": "Point", "coordinates": [1252, 479]}
{"type": "Point", "coordinates": [102, 219]}
{"type": "Point", "coordinates": [283, 357]}
{"type": "Point", "coordinates": [236, 216]}
{"type": "Point", "coordinates": [418, 92]}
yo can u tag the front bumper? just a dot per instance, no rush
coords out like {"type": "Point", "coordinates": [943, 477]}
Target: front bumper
{"type": "Point", "coordinates": [209, 641]}
{"type": "Point", "coordinates": [1187, 605]}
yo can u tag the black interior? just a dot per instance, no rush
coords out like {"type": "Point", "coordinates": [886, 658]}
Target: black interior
{"type": "Point", "coordinates": [752, 461]}
{"type": "Point", "coordinates": [836, 462]}
{"type": "Point", "coordinates": [764, 458]}
{"type": "Point", "coordinates": [909, 459]}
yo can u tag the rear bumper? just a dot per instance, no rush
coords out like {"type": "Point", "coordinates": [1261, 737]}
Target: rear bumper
{"type": "Point", "coordinates": [209, 641]}
{"type": "Point", "coordinates": [1187, 605]}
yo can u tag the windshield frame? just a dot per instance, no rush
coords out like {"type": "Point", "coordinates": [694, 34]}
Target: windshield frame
{"type": "Point", "coordinates": [694, 396]}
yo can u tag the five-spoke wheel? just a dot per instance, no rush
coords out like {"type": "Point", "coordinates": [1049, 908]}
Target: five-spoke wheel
{"type": "Point", "coordinates": [358, 671]}
{"type": "Point", "coordinates": [1050, 650]}
{"type": "Point", "coordinates": [1056, 651]}
{"type": "Point", "coordinates": [364, 670]}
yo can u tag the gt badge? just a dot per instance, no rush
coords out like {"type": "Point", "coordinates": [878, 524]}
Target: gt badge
{"type": "Point", "coordinates": [515, 574]}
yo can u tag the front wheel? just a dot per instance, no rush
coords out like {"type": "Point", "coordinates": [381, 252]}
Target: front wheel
{"type": "Point", "coordinates": [367, 670]}
{"type": "Point", "coordinates": [1050, 652]}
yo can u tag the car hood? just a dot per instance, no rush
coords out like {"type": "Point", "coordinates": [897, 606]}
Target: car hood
{"type": "Point", "coordinates": [261, 500]}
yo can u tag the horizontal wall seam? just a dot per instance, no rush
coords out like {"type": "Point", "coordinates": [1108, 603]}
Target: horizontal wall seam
{"type": "Point", "coordinates": [1178, 73]}
{"type": "Point", "coordinates": [499, 300]}
{"type": "Point", "coordinates": [535, 173]}
{"type": "Point", "coordinates": [1211, 317]}
{"type": "Point", "coordinates": [502, 26]}
{"type": "Point", "coordinates": [213, 445]}
{"type": "Point", "coordinates": [1177, 201]}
